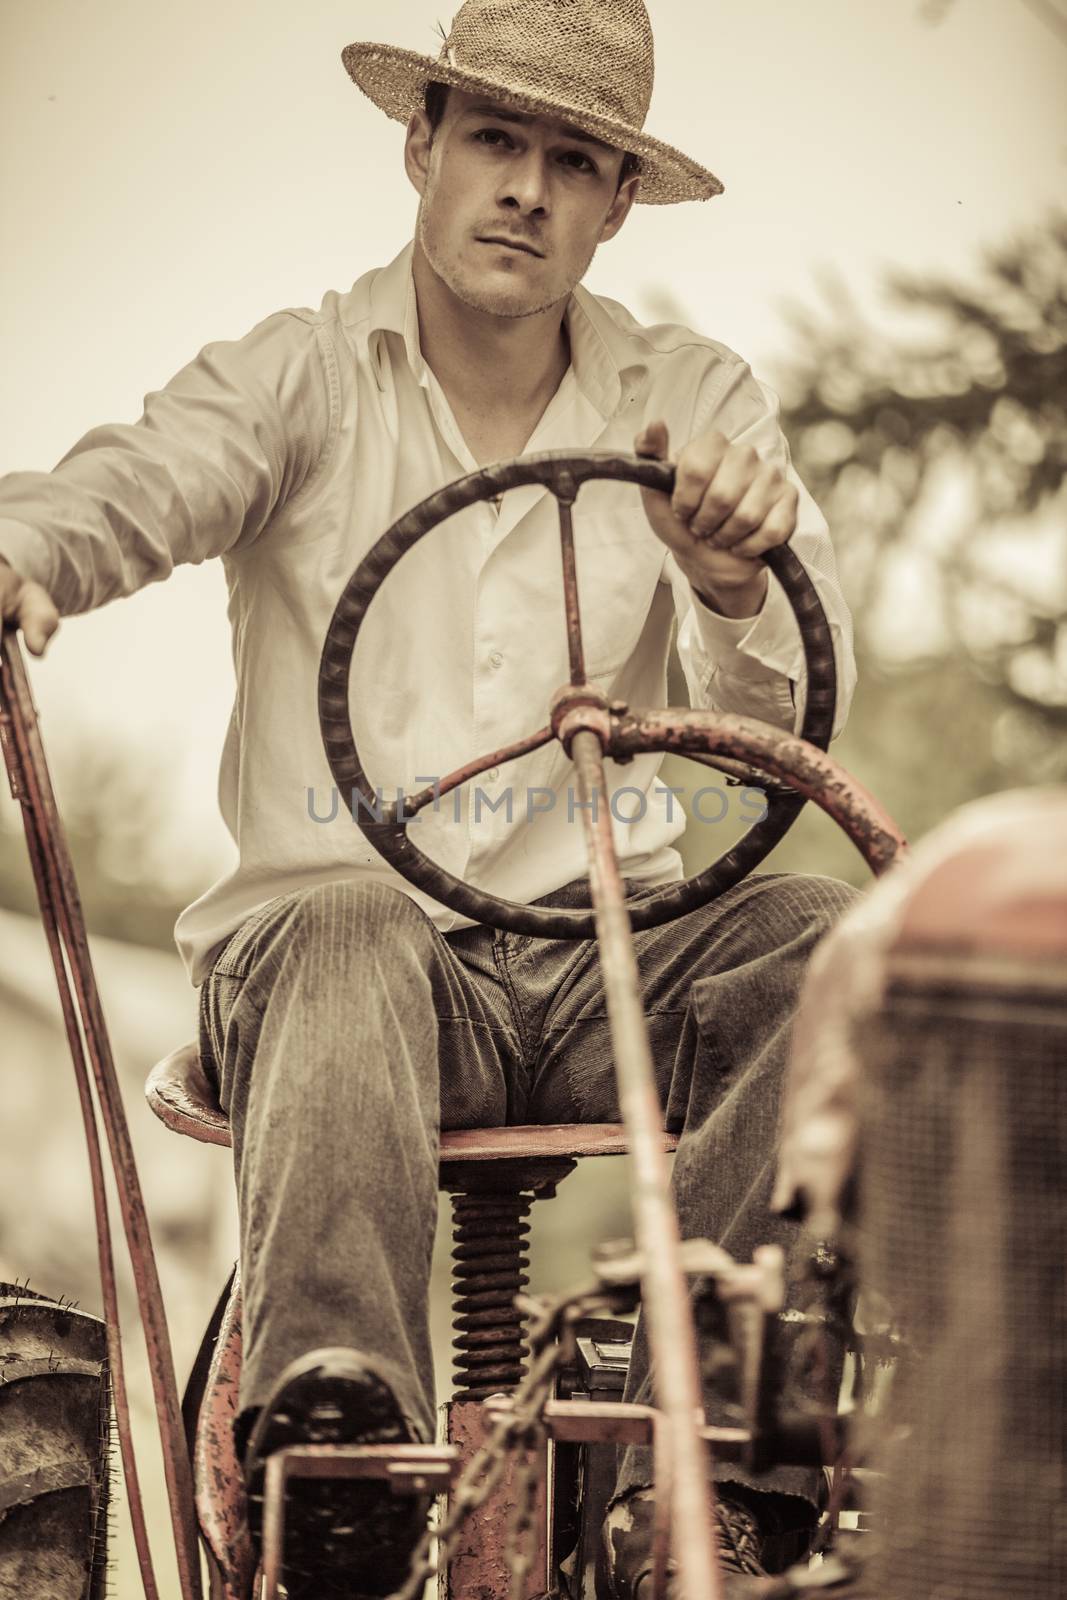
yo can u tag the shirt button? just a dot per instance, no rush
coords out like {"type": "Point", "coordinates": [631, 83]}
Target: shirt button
{"type": "Point", "coordinates": [493, 774]}
{"type": "Point", "coordinates": [496, 658]}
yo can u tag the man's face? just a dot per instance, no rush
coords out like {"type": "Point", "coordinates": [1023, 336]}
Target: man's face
{"type": "Point", "coordinates": [513, 207]}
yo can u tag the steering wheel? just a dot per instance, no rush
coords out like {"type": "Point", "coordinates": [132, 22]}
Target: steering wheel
{"type": "Point", "coordinates": [741, 746]}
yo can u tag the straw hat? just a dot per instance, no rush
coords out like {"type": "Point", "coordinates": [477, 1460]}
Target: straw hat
{"type": "Point", "coordinates": [587, 62]}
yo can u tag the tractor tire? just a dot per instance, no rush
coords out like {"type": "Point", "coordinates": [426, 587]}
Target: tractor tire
{"type": "Point", "coordinates": [55, 1436]}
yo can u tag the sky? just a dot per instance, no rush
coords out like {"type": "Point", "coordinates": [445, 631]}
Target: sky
{"type": "Point", "coordinates": [170, 175]}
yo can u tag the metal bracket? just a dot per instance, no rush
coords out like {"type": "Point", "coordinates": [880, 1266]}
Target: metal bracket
{"type": "Point", "coordinates": [408, 1468]}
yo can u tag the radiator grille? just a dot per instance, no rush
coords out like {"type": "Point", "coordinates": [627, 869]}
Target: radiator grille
{"type": "Point", "coordinates": [964, 1232]}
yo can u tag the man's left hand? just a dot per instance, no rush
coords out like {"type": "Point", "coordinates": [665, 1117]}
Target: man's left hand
{"type": "Point", "coordinates": [728, 507]}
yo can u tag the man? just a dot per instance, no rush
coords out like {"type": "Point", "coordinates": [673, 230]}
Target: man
{"type": "Point", "coordinates": [345, 1015]}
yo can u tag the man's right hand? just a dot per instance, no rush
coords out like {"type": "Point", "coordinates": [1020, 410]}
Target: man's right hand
{"type": "Point", "coordinates": [29, 607]}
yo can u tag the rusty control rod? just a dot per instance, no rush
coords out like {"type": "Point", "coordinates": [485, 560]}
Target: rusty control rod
{"type": "Point", "coordinates": [64, 925]}
{"type": "Point", "coordinates": [585, 731]}
{"type": "Point", "coordinates": [664, 1295]}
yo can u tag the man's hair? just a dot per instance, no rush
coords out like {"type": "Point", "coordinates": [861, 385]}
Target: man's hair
{"type": "Point", "coordinates": [436, 103]}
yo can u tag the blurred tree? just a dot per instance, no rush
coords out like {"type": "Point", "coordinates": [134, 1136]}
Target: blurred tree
{"type": "Point", "coordinates": [940, 465]}
{"type": "Point", "coordinates": [938, 458]}
{"type": "Point", "coordinates": [135, 864]}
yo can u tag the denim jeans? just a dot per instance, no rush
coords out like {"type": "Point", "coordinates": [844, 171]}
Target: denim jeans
{"type": "Point", "coordinates": [344, 1030]}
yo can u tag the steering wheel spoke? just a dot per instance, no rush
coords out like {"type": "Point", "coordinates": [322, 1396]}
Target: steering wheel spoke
{"type": "Point", "coordinates": [565, 496]}
{"type": "Point", "coordinates": [411, 804]}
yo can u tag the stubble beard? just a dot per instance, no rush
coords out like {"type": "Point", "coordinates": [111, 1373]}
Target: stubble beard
{"type": "Point", "coordinates": [476, 294]}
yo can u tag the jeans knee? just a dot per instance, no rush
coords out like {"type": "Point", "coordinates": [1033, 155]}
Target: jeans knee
{"type": "Point", "coordinates": [801, 905]}
{"type": "Point", "coordinates": [351, 924]}
{"type": "Point", "coordinates": [824, 900]}
{"type": "Point", "coordinates": [365, 907]}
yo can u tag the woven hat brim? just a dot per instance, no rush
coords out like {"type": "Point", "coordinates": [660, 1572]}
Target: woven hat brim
{"type": "Point", "coordinates": [396, 79]}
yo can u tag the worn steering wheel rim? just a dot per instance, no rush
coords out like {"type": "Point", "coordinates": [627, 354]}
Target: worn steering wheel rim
{"type": "Point", "coordinates": [562, 474]}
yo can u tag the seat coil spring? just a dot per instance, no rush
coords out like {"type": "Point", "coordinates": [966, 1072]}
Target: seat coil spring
{"type": "Point", "coordinates": [489, 1262]}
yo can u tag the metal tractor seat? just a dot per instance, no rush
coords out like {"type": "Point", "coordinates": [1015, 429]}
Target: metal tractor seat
{"type": "Point", "coordinates": [493, 1176]}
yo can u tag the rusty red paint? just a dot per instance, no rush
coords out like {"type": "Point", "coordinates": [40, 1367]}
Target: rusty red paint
{"type": "Point", "coordinates": [179, 1093]}
{"type": "Point", "coordinates": [575, 650]}
{"type": "Point", "coordinates": [986, 891]}
{"type": "Point", "coordinates": [220, 1495]}
{"type": "Point", "coordinates": [573, 710]}
{"type": "Point", "coordinates": [478, 1570]}
{"type": "Point", "coordinates": [619, 1422]}
{"type": "Point", "coordinates": [811, 772]}
{"type": "Point", "coordinates": [532, 1142]}
{"type": "Point", "coordinates": [413, 803]}
{"type": "Point", "coordinates": [587, 1421]}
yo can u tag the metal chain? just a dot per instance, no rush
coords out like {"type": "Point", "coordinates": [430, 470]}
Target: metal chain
{"type": "Point", "coordinates": [517, 1555]}
{"type": "Point", "coordinates": [520, 1428]}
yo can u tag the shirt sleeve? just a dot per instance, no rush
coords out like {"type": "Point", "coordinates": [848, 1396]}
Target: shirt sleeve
{"type": "Point", "coordinates": [235, 434]}
{"type": "Point", "coordinates": [755, 666]}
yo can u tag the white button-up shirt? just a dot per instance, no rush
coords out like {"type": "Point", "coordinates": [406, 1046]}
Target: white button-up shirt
{"type": "Point", "coordinates": [288, 453]}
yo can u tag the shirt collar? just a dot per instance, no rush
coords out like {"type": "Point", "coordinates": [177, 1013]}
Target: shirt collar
{"type": "Point", "coordinates": [606, 360]}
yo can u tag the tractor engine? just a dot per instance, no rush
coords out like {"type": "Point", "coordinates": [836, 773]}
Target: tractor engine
{"type": "Point", "coordinates": [927, 1121]}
